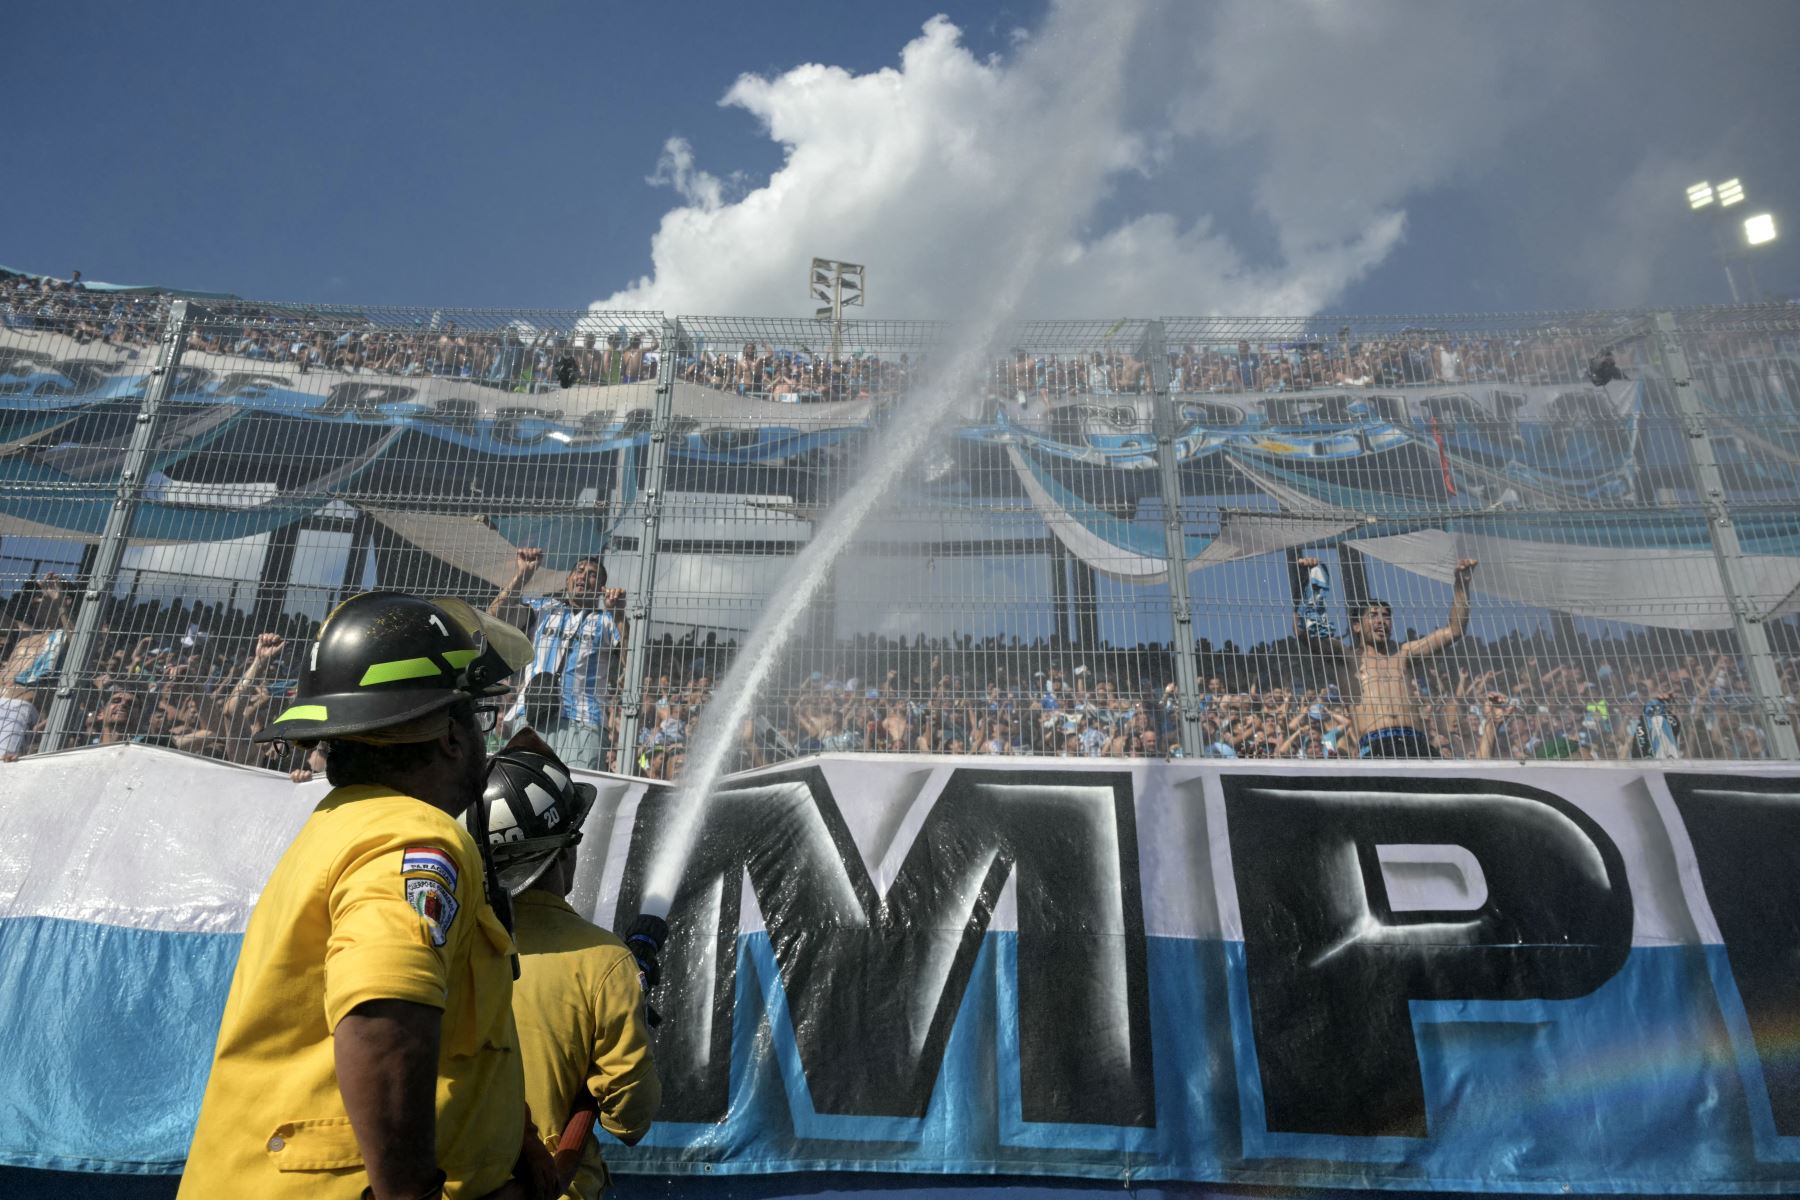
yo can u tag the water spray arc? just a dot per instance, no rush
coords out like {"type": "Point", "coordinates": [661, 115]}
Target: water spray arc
{"type": "Point", "coordinates": [1074, 72]}
{"type": "Point", "coordinates": [737, 691]}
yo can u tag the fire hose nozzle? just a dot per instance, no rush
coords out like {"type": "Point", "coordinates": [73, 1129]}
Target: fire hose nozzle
{"type": "Point", "coordinates": [650, 929]}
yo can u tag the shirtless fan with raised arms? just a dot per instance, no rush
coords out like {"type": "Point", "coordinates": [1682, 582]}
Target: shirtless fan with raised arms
{"type": "Point", "coordinates": [1387, 716]}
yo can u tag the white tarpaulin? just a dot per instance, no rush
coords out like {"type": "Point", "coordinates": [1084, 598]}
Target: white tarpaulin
{"type": "Point", "coordinates": [1246, 535]}
{"type": "Point", "coordinates": [467, 543]}
{"type": "Point", "coordinates": [1668, 589]}
{"type": "Point", "coordinates": [1110, 558]}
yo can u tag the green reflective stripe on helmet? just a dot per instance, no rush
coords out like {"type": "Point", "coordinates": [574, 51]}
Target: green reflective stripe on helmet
{"type": "Point", "coordinates": [302, 712]}
{"type": "Point", "coordinates": [400, 668]}
{"type": "Point", "coordinates": [416, 668]}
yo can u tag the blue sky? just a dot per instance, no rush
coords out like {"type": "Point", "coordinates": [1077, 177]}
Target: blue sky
{"type": "Point", "coordinates": [1177, 158]}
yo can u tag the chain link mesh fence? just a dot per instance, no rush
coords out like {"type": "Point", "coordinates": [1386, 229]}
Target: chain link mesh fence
{"type": "Point", "coordinates": [189, 486]}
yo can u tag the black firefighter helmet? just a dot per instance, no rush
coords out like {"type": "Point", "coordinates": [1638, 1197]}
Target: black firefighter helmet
{"type": "Point", "coordinates": [534, 811]}
{"type": "Point", "coordinates": [385, 658]}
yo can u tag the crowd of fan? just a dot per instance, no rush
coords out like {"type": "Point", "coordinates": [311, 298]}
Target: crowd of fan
{"type": "Point", "coordinates": [518, 360]}
{"type": "Point", "coordinates": [520, 357]}
{"type": "Point", "coordinates": [516, 357]}
{"type": "Point", "coordinates": [128, 320]}
{"type": "Point", "coordinates": [197, 678]}
{"type": "Point", "coordinates": [523, 358]}
{"type": "Point", "coordinates": [193, 677]}
{"type": "Point", "coordinates": [799, 375]}
{"type": "Point", "coordinates": [200, 678]}
{"type": "Point", "coordinates": [1521, 697]}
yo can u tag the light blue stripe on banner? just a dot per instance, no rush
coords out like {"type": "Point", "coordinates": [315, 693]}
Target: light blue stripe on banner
{"type": "Point", "coordinates": [1635, 1088]}
{"type": "Point", "coordinates": [110, 1035]}
{"type": "Point", "coordinates": [1646, 1085]}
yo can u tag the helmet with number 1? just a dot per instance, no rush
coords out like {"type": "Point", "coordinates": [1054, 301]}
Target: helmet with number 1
{"type": "Point", "coordinates": [534, 812]}
{"type": "Point", "coordinates": [386, 658]}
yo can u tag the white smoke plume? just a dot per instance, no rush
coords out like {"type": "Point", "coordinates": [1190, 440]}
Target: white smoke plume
{"type": "Point", "coordinates": [1309, 124]}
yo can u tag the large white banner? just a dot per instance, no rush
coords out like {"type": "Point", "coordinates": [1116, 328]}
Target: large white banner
{"type": "Point", "coordinates": [1507, 977]}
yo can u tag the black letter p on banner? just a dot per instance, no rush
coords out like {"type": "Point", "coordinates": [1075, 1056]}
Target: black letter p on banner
{"type": "Point", "coordinates": [1338, 939]}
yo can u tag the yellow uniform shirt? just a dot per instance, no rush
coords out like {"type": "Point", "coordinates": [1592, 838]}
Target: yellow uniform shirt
{"type": "Point", "coordinates": [580, 1009]}
{"type": "Point", "coordinates": [379, 898]}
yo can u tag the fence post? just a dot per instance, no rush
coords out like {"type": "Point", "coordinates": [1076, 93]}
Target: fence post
{"type": "Point", "coordinates": [642, 600]}
{"type": "Point", "coordinates": [1753, 639]}
{"type": "Point", "coordinates": [61, 726]}
{"type": "Point", "coordinates": [1168, 470]}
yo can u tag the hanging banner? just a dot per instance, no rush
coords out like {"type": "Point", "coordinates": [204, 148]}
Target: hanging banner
{"type": "Point", "coordinates": [1446, 978]}
{"type": "Point", "coordinates": [46, 378]}
{"type": "Point", "coordinates": [67, 409]}
{"type": "Point", "coordinates": [1498, 442]}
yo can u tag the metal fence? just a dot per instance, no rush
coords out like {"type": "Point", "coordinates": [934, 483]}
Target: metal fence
{"type": "Point", "coordinates": [189, 486]}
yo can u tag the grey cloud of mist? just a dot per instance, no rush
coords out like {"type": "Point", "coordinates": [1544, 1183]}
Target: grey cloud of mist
{"type": "Point", "coordinates": [1352, 108]}
{"type": "Point", "coordinates": [1617, 264]}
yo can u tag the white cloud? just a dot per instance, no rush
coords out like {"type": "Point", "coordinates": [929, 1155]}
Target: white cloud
{"type": "Point", "coordinates": [676, 169]}
{"type": "Point", "coordinates": [966, 181]}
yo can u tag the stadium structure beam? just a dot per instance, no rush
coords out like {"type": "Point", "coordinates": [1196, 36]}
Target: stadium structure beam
{"type": "Point", "coordinates": [1353, 569]}
{"type": "Point", "coordinates": [356, 560]}
{"type": "Point", "coordinates": [1181, 611]}
{"type": "Point", "coordinates": [1087, 615]}
{"type": "Point", "coordinates": [764, 548]}
{"type": "Point", "coordinates": [97, 587]}
{"type": "Point", "coordinates": [1709, 484]}
{"type": "Point", "coordinates": [638, 601]}
{"type": "Point", "coordinates": [1059, 590]}
{"type": "Point", "coordinates": [273, 580]}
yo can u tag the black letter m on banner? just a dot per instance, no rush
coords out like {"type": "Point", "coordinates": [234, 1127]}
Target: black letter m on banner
{"type": "Point", "coordinates": [874, 979]}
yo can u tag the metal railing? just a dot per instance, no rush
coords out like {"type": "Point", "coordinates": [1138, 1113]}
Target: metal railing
{"type": "Point", "coordinates": [215, 475]}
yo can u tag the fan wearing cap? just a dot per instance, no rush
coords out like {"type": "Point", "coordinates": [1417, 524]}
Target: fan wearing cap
{"type": "Point", "coordinates": [367, 1041]}
{"type": "Point", "coordinates": [583, 1022]}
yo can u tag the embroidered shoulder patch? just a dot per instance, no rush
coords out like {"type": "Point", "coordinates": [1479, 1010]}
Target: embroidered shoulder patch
{"type": "Point", "coordinates": [418, 862]}
{"type": "Point", "coordinates": [435, 905]}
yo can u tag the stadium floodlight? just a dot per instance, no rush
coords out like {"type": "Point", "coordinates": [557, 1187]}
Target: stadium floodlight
{"type": "Point", "coordinates": [1757, 231]}
{"type": "Point", "coordinates": [840, 284]}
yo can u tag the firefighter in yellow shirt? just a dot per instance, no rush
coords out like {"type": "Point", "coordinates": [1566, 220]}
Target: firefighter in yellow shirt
{"type": "Point", "coordinates": [579, 1000]}
{"type": "Point", "coordinates": [367, 1045]}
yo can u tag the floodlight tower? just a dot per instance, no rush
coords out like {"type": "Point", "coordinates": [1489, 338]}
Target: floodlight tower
{"type": "Point", "coordinates": [1759, 230]}
{"type": "Point", "coordinates": [1755, 231]}
{"type": "Point", "coordinates": [839, 284]}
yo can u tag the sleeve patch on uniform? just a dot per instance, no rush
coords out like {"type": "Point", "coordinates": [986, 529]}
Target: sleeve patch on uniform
{"type": "Point", "coordinates": [433, 902]}
{"type": "Point", "coordinates": [429, 861]}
